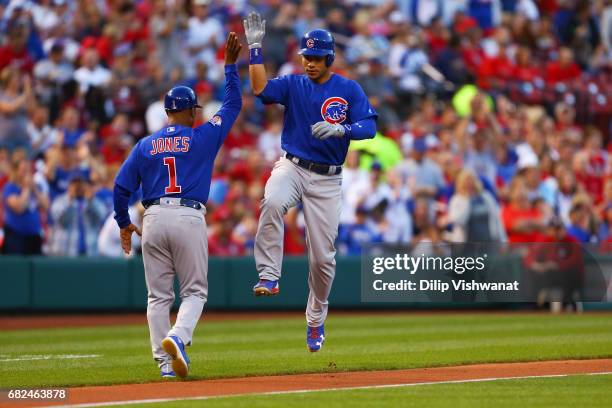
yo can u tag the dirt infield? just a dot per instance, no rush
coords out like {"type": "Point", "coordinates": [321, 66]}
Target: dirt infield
{"type": "Point", "coordinates": [175, 389]}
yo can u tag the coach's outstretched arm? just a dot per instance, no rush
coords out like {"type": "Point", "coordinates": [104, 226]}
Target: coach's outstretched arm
{"type": "Point", "coordinates": [255, 29]}
{"type": "Point", "coordinates": [221, 123]}
{"type": "Point", "coordinates": [233, 97]}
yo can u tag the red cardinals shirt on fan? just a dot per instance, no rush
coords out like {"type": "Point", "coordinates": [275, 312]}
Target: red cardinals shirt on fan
{"type": "Point", "coordinates": [338, 100]}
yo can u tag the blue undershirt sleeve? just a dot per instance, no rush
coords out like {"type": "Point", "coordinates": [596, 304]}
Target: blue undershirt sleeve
{"type": "Point", "coordinates": [121, 199]}
{"type": "Point", "coordinates": [362, 129]}
{"type": "Point", "coordinates": [126, 183]}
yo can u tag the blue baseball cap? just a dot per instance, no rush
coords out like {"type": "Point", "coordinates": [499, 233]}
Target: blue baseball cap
{"type": "Point", "coordinates": [318, 43]}
{"type": "Point", "coordinates": [419, 145]}
{"type": "Point", "coordinates": [79, 175]}
{"type": "Point", "coordinates": [180, 98]}
{"type": "Point", "coordinates": [376, 166]}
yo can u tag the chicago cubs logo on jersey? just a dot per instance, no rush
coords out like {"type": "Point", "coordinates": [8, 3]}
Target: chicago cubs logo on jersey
{"type": "Point", "coordinates": [334, 109]}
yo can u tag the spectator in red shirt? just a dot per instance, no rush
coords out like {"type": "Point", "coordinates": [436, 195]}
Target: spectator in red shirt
{"type": "Point", "coordinates": [135, 27]}
{"type": "Point", "coordinates": [564, 69]}
{"type": "Point", "coordinates": [555, 266]}
{"type": "Point", "coordinates": [116, 140]}
{"type": "Point", "coordinates": [592, 164]}
{"type": "Point", "coordinates": [463, 22]}
{"type": "Point", "coordinates": [15, 52]}
{"type": "Point", "coordinates": [436, 37]}
{"type": "Point", "coordinates": [523, 223]}
{"type": "Point", "coordinates": [525, 69]}
{"type": "Point", "coordinates": [220, 239]}
{"type": "Point", "coordinates": [471, 52]}
{"type": "Point", "coordinates": [240, 137]}
{"type": "Point", "coordinates": [293, 242]}
{"type": "Point", "coordinates": [565, 121]}
{"type": "Point", "coordinates": [606, 200]}
{"type": "Point", "coordinates": [494, 72]}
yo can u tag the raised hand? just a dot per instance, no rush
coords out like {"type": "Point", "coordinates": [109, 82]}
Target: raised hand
{"type": "Point", "coordinates": [254, 29]}
{"type": "Point", "coordinates": [232, 49]}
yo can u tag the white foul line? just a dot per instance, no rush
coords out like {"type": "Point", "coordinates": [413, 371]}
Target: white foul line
{"type": "Point", "coordinates": [365, 387]}
{"type": "Point", "coordinates": [48, 357]}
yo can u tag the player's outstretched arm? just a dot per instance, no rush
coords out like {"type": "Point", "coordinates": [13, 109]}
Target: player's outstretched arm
{"type": "Point", "coordinates": [254, 30]}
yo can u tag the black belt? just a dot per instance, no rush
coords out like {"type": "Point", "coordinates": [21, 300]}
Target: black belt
{"type": "Point", "coordinates": [316, 167]}
{"type": "Point", "coordinates": [184, 202]}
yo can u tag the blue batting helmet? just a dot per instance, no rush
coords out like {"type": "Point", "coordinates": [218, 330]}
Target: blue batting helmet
{"type": "Point", "coordinates": [180, 98]}
{"type": "Point", "coordinates": [319, 43]}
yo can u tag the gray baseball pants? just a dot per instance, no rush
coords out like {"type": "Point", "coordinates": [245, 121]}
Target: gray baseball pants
{"type": "Point", "coordinates": [320, 196]}
{"type": "Point", "coordinates": [174, 241]}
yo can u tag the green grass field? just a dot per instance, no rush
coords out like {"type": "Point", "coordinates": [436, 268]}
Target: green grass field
{"type": "Point", "coordinates": [277, 346]}
{"type": "Point", "coordinates": [574, 391]}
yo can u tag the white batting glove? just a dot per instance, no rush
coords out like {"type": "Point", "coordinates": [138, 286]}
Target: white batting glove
{"type": "Point", "coordinates": [254, 29]}
{"type": "Point", "coordinates": [324, 130]}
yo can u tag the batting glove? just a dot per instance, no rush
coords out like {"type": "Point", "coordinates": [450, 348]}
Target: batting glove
{"type": "Point", "coordinates": [254, 29]}
{"type": "Point", "coordinates": [324, 130]}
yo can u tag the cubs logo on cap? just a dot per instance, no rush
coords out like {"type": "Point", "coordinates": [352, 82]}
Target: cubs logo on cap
{"type": "Point", "coordinates": [334, 109]}
{"type": "Point", "coordinates": [310, 43]}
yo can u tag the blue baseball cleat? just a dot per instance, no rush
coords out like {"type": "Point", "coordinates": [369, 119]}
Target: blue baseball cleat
{"type": "Point", "coordinates": [266, 288]}
{"type": "Point", "coordinates": [166, 371]}
{"type": "Point", "coordinates": [315, 336]}
{"type": "Point", "coordinates": [176, 349]}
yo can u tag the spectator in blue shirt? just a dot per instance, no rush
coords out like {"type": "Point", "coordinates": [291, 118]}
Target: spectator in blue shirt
{"type": "Point", "coordinates": [78, 216]}
{"type": "Point", "coordinates": [579, 223]}
{"type": "Point", "coordinates": [605, 228]}
{"type": "Point", "coordinates": [486, 12]}
{"type": "Point", "coordinates": [351, 237]}
{"type": "Point", "coordinates": [62, 162]}
{"type": "Point", "coordinates": [23, 200]}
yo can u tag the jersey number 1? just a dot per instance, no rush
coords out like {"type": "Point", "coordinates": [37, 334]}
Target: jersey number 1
{"type": "Point", "coordinates": [172, 188]}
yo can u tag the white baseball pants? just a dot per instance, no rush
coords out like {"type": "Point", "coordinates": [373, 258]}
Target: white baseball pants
{"type": "Point", "coordinates": [320, 196]}
{"type": "Point", "coordinates": [174, 241]}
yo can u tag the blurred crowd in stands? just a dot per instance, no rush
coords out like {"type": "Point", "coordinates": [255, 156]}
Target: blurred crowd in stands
{"type": "Point", "coordinates": [495, 117]}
